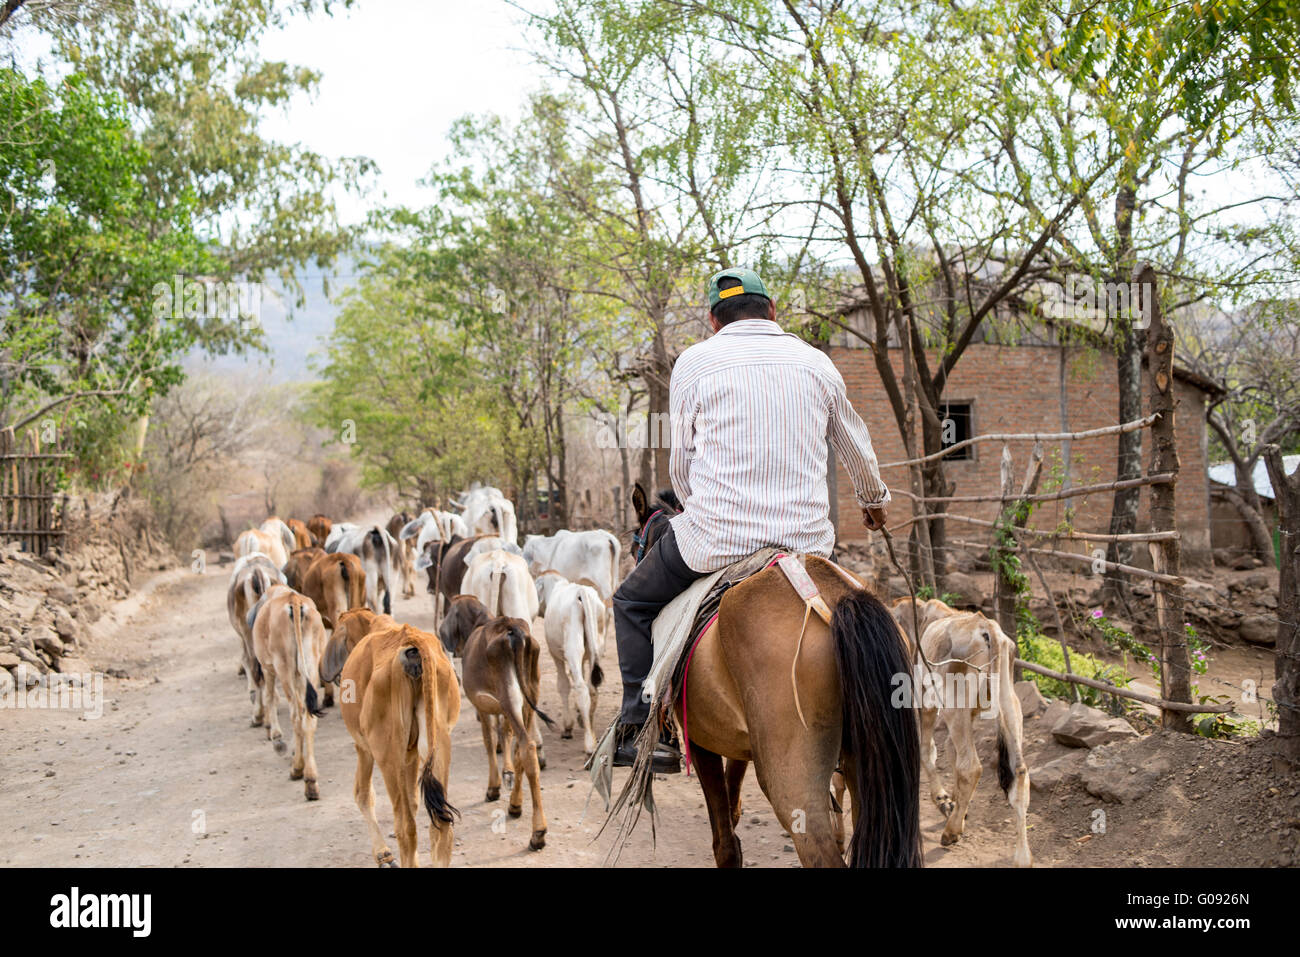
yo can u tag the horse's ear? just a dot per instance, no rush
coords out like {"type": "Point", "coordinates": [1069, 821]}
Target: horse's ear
{"type": "Point", "coordinates": [639, 503]}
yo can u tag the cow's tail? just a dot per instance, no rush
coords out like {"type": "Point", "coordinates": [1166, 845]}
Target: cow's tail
{"type": "Point", "coordinates": [879, 739]}
{"type": "Point", "coordinates": [614, 549]}
{"type": "Point", "coordinates": [521, 650]}
{"type": "Point", "coordinates": [591, 606]}
{"type": "Point", "coordinates": [1000, 670]}
{"type": "Point", "coordinates": [432, 790]}
{"type": "Point", "coordinates": [379, 541]}
{"type": "Point", "coordinates": [497, 589]}
{"type": "Point", "coordinates": [307, 672]}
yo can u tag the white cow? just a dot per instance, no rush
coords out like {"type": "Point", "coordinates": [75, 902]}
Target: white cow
{"type": "Point", "coordinates": [546, 583]}
{"type": "Point", "coordinates": [592, 556]}
{"type": "Point", "coordinates": [490, 544]}
{"type": "Point", "coordinates": [377, 550]}
{"type": "Point", "coordinates": [486, 511]}
{"type": "Point", "coordinates": [575, 635]}
{"type": "Point", "coordinates": [502, 583]}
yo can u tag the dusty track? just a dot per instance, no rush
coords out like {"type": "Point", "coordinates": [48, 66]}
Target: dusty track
{"type": "Point", "coordinates": [174, 749]}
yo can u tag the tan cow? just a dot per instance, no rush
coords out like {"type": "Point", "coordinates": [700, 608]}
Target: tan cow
{"type": "Point", "coordinates": [502, 675]}
{"type": "Point", "coordinates": [251, 578]}
{"type": "Point", "coordinates": [301, 534]}
{"type": "Point", "coordinates": [972, 660]}
{"type": "Point", "coordinates": [288, 637]}
{"type": "Point", "coordinates": [405, 704]}
{"type": "Point", "coordinates": [254, 541]}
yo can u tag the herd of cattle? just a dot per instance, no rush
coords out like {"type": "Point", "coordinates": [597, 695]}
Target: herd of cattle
{"type": "Point", "coordinates": [311, 603]}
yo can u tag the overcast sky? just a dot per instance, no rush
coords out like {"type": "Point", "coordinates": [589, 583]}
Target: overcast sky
{"type": "Point", "coordinates": [395, 74]}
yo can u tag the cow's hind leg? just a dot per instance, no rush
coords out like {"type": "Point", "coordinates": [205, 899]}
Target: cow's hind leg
{"type": "Point", "coordinates": [713, 780]}
{"type": "Point", "coordinates": [363, 790]}
{"type": "Point", "coordinates": [489, 745]}
{"type": "Point", "coordinates": [565, 687]}
{"type": "Point", "coordinates": [441, 838]}
{"type": "Point", "coordinates": [929, 760]}
{"type": "Point", "coordinates": [400, 793]}
{"type": "Point", "coordinates": [526, 753]}
{"type": "Point", "coordinates": [273, 732]}
{"type": "Point", "coordinates": [1013, 774]}
{"type": "Point", "coordinates": [967, 767]}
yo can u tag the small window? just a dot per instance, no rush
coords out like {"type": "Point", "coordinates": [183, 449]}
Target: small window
{"type": "Point", "coordinates": [956, 425]}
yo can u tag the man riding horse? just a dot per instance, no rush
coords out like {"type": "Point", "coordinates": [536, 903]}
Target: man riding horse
{"type": "Point", "coordinates": [751, 409]}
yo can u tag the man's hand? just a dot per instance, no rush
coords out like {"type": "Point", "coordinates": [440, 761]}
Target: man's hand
{"type": "Point", "coordinates": [874, 517]}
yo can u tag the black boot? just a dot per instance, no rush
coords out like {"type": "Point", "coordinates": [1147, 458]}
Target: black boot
{"type": "Point", "coordinates": [666, 760]}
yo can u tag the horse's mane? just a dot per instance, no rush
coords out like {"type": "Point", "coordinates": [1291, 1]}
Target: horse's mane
{"type": "Point", "coordinates": [668, 500]}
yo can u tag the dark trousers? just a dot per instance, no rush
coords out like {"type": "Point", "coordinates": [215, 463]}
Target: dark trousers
{"type": "Point", "coordinates": [659, 578]}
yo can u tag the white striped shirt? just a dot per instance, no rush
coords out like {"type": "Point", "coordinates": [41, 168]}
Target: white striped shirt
{"type": "Point", "coordinates": [752, 409]}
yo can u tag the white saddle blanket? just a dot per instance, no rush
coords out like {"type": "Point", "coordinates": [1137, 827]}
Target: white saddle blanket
{"type": "Point", "coordinates": [672, 630]}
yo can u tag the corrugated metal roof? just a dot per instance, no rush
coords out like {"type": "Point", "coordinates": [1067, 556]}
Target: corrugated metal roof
{"type": "Point", "coordinates": [1224, 474]}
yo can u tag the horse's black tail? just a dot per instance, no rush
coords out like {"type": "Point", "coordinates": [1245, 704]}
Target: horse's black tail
{"type": "Point", "coordinates": [880, 739]}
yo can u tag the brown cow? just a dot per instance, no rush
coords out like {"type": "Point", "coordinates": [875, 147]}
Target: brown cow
{"type": "Point", "coordinates": [406, 704]}
{"type": "Point", "coordinates": [319, 526]}
{"type": "Point", "coordinates": [406, 552]}
{"type": "Point", "coordinates": [295, 569]}
{"type": "Point", "coordinates": [464, 615]}
{"type": "Point", "coordinates": [354, 624]}
{"type": "Point", "coordinates": [301, 534]}
{"type": "Point", "coordinates": [502, 676]}
{"type": "Point", "coordinates": [335, 582]}
{"type": "Point", "coordinates": [446, 566]}
{"type": "Point", "coordinates": [288, 638]}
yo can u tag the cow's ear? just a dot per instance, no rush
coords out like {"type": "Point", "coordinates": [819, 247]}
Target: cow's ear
{"type": "Point", "coordinates": [411, 528]}
{"type": "Point", "coordinates": [334, 657]}
{"type": "Point", "coordinates": [639, 503]}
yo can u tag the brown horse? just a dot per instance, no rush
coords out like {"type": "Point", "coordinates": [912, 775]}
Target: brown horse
{"type": "Point", "coordinates": [740, 704]}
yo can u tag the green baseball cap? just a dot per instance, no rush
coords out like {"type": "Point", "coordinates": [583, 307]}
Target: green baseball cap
{"type": "Point", "coordinates": [749, 283]}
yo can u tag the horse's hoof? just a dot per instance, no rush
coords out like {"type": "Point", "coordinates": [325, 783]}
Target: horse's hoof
{"type": "Point", "coordinates": [295, 774]}
{"type": "Point", "coordinates": [947, 840]}
{"type": "Point", "coordinates": [514, 811]}
{"type": "Point", "coordinates": [946, 806]}
{"type": "Point", "coordinates": [493, 794]}
{"type": "Point", "coordinates": [385, 859]}
{"type": "Point", "coordinates": [567, 734]}
{"type": "Point", "coordinates": [508, 777]}
{"type": "Point", "coordinates": [538, 840]}
{"type": "Point", "coordinates": [541, 760]}
{"type": "Point", "coordinates": [255, 723]}
{"type": "Point", "coordinates": [280, 746]}
{"type": "Point", "coordinates": [313, 792]}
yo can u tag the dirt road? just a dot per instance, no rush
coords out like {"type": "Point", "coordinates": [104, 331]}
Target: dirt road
{"type": "Point", "coordinates": [171, 773]}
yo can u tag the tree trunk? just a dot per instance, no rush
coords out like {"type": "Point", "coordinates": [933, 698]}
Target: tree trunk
{"type": "Point", "coordinates": [1286, 662]}
{"type": "Point", "coordinates": [1175, 664]}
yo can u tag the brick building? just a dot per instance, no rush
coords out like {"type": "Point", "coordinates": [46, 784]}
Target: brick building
{"type": "Point", "coordinates": [1029, 386]}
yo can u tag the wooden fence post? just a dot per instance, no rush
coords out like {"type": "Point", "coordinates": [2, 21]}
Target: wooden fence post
{"type": "Point", "coordinates": [1286, 667]}
{"type": "Point", "coordinates": [1175, 664]}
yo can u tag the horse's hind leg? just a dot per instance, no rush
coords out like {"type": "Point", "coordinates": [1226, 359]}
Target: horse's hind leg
{"type": "Point", "coordinates": [714, 781]}
{"type": "Point", "coordinates": [796, 780]}
{"type": "Point", "coordinates": [735, 777]}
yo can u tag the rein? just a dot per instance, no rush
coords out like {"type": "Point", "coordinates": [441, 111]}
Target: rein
{"type": "Point", "coordinates": [639, 539]}
{"type": "Point", "coordinates": [916, 626]}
